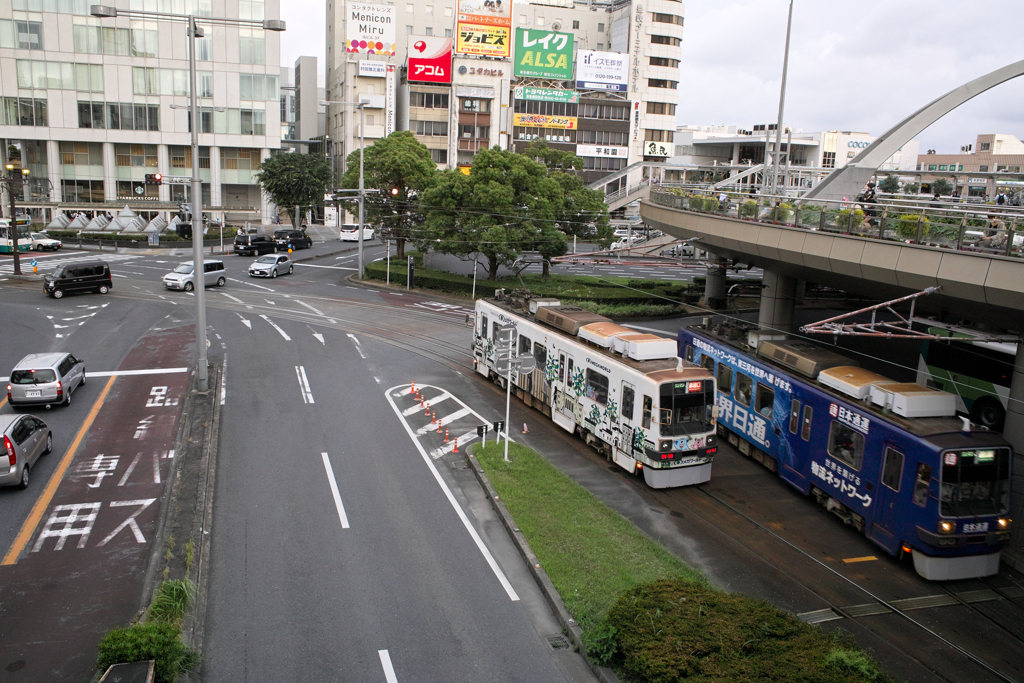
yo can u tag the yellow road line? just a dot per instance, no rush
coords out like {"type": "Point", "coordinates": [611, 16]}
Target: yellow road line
{"type": "Point", "coordinates": [851, 560]}
{"type": "Point", "coordinates": [34, 517]}
{"type": "Point", "coordinates": [3, 403]}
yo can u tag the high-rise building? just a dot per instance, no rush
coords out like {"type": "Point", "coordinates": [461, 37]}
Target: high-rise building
{"type": "Point", "coordinates": [87, 105]}
{"type": "Point", "coordinates": [302, 115]}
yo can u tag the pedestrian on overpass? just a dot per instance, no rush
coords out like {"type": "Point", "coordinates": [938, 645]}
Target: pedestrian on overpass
{"type": "Point", "coordinates": [995, 233]}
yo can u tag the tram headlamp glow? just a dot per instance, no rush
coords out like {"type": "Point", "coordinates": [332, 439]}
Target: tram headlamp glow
{"type": "Point", "coordinates": [946, 527]}
{"type": "Point", "coordinates": [1003, 523]}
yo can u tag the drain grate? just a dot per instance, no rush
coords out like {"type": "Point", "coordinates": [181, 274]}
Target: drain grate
{"type": "Point", "coordinates": [558, 643]}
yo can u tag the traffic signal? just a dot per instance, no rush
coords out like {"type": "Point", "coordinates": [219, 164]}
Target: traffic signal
{"type": "Point", "coordinates": [154, 179]}
{"type": "Point", "coordinates": [394, 191]}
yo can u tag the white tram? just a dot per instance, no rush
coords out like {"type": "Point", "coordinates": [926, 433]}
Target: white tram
{"type": "Point", "coordinates": [624, 392]}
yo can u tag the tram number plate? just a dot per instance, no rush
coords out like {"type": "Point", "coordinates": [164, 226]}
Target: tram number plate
{"type": "Point", "coordinates": [975, 527]}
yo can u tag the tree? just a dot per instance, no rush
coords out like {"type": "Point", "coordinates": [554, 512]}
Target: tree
{"type": "Point", "coordinates": [912, 188]}
{"type": "Point", "coordinates": [292, 180]}
{"type": "Point", "coordinates": [554, 159]}
{"type": "Point", "coordinates": [890, 185]}
{"type": "Point", "coordinates": [398, 162]}
{"type": "Point", "coordinates": [505, 206]}
{"type": "Point", "coordinates": [941, 186]}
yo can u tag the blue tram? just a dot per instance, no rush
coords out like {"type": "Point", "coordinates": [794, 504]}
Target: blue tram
{"type": "Point", "coordinates": [888, 458]}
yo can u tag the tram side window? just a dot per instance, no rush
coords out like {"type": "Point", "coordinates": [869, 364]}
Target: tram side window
{"type": "Point", "coordinates": [483, 326]}
{"type": "Point", "coordinates": [846, 444]}
{"type": "Point", "coordinates": [805, 434]}
{"type": "Point", "coordinates": [764, 401]}
{"type": "Point", "coordinates": [708, 363]}
{"type": "Point", "coordinates": [922, 483]}
{"type": "Point", "coordinates": [744, 388]}
{"type": "Point", "coordinates": [724, 378]}
{"type": "Point", "coordinates": [892, 469]}
{"type": "Point", "coordinates": [540, 352]}
{"type": "Point", "coordinates": [627, 402]}
{"type": "Point", "coordinates": [794, 416]}
{"type": "Point", "coordinates": [524, 345]}
{"type": "Point", "coordinates": [561, 368]}
{"type": "Point", "coordinates": [646, 422]}
{"type": "Point", "coordinates": [689, 352]}
{"type": "Point", "coordinates": [597, 387]}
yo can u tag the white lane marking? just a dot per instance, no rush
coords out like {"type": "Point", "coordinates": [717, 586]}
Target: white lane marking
{"type": "Point", "coordinates": [334, 491]}
{"type": "Point", "coordinates": [433, 402]}
{"type": "Point", "coordinates": [451, 499]}
{"type": "Point", "coordinates": [461, 440]}
{"type": "Point", "coordinates": [307, 393]}
{"type": "Point", "coordinates": [403, 392]}
{"type": "Point", "coordinates": [283, 333]}
{"type": "Point", "coordinates": [270, 302]}
{"type": "Point", "coordinates": [251, 284]}
{"type": "Point", "coordinates": [320, 338]}
{"type": "Point", "coordinates": [244, 321]}
{"type": "Point", "coordinates": [359, 347]}
{"type": "Point", "coordinates": [124, 276]}
{"type": "Point", "coordinates": [389, 671]}
{"type": "Point", "coordinates": [217, 336]}
{"type": "Point", "coordinates": [311, 265]}
{"type": "Point", "coordinates": [129, 373]}
{"type": "Point", "coordinates": [224, 380]}
{"type": "Point", "coordinates": [446, 419]}
{"type": "Point", "coordinates": [233, 298]}
{"type": "Point", "coordinates": [315, 310]}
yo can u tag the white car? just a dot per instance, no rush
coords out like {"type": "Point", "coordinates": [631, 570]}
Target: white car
{"type": "Point", "coordinates": [350, 232]}
{"type": "Point", "coordinates": [43, 242]}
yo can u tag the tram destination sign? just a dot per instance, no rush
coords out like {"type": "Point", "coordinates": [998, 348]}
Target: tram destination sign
{"type": "Point", "coordinates": [546, 95]}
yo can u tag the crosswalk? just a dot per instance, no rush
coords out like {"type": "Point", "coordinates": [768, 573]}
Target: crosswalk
{"type": "Point", "coordinates": [46, 264]}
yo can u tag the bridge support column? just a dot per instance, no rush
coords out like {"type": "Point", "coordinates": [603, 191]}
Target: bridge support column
{"type": "Point", "coordinates": [778, 298]}
{"type": "Point", "coordinates": [714, 286]}
{"type": "Point", "coordinates": [1013, 431]}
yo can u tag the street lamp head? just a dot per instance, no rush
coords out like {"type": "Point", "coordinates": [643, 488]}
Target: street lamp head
{"type": "Point", "coordinates": [273, 25]}
{"type": "Point", "coordinates": [10, 167]}
{"type": "Point", "coordinates": [103, 11]}
{"type": "Point", "coordinates": [25, 171]}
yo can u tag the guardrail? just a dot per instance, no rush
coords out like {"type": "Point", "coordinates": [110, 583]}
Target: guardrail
{"type": "Point", "coordinates": [625, 192]}
{"type": "Point", "coordinates": [988, 230]}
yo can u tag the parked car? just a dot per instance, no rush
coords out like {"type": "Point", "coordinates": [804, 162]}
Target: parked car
{"type": "Point", "coordinates": [45, 379]}
{"type": "Point", "coordinates": [295, 239]}
{"type": "Point", "coordinates": [43, 242]}
{"type": "Point", "coordinates": [271, 265]}
{"type": "Point", "coordinates": [183, 277]}
{"type": "Point", "coordinates": [254, 245]}
{"type": "Point", "coordinates": [350, 232]}
{"type": "Point", "coordinates": [86, 276]}
{"type": "Point", "coordinates": [25, 438]}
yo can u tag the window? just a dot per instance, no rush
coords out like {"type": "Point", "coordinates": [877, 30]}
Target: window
{"type": "Point", "coordinates": [144, 39]}
{"type": "Point", "coordinates": [84, 191]}
{"type": "Point", "coordinates": [708, 363]}
{"type": "Point", "coordinates": [846, 444]}
{"type": "Point", "coordinates": [483, 326]}
{"type": "Point", "coordinates": [627, 402]}
{"type": "Point", "coordinates": [575, 23]}
{"type": "Point", "coordinates": [981, 169]}
{"type": "Point", "coordinates": [600, 46]}
{"type": "Point", "coordinates": [250, 86]}
{"type": "Point", "coordinates": [429, 9]}
{"type": "Point", "coordinates": [597, 387]}
{"type": "Point", "coordinates": [604, 163]}
{"type": "Point", "coordinates": [828, 160]}
{"type": "Point", "coordinates": [24, 35]}
{"type": "Point", "coordinates": [40, 75]}
{"type": "Point", "coordinates": [119, 116]}
{"type": "Point", "coordinates": [522, 19]}
{"type": "Point", "coordinates": [250, 9]}
{"type": "Point", "coordinates": [251, 46]}
{"type": "Point", "coordinates": [448, 11]}
{"type": "Point", "coordinates": [943, 167]}
{"type": "Point", "coordinates": [794, 416]}
{"type": "Point", "coordinates": [474, 132]}
{"type": "Point", "coordinates": [239, 158]}
{"type": "Point", "coordinates": [137, 156]}
{"type": "Point", "coordinates": [662, 83]}
{"type": "Point", "coordinates": [429, 127]}
{"type": "Point", "coordinates": [922, 483]}
{"type": "Point", "coordinates": [408, 29]}
{"type": "Point", "coordinates": [428, 31]}
{"type": "Point", "coordinates": [661, 108]}
{"type": "Point", "coordinates": [665, 61]}
{"type": "Point", "coordinates": [524, 345]}
{"type": "Point", "coordinates": [666, 18]}
{"type": "Point", "coordinates": [764, 401]}
{"type": "Point", "coordinates": [667, 40]}
{"type": "Point", "coordinates": [439, 156]}
{"type": "Point", "coordinates": [646, 420]}
{"type": "Point", "coordinates": [805, 433]}
{"type": "Point", "coordinates": [744, 389]}
{"type": "Point", "coordinates": [25, 111]}
{"type": "Point", "coordinates": [985, 147]}
{"type": "Point", "coordinates": [602, 111]}
{"type": "Point", "coordinates": [932, 167]}
{"type": "Point", "coordinates": [601, 137]}
{"type": "Point", "coordinates": [409, 8]}
{"type": "Point", "coordinates": [540, 352]}
{"type": "Point", "coordinates": [428, 100]}
{"type": "Point", "coordinates": [447, 32]}
{"type": "Point", "coordinates": [600, 27]}
{"type": "Point", "coordinates": [724, 378]}
{"type": "Point", "coordinates": [892, 469]}
{"type": "Point", "coordinates": [659, 135]}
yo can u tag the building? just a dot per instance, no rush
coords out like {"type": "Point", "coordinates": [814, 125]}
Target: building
{"type": "Point", "coordinates": [88, 107]}
{"type": "Point", "coordinates": [599, 79]}
{"type": "Point", "coordinates": [989, 166]}
{"type": "Point", "coordinates": [302, 115]}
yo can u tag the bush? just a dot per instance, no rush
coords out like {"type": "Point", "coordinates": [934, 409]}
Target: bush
{"type": "Point", "coordinates": [157, 641]}
{"type": "Point", "coordinates": [172, 601]}
{"type": "Point", "coordinates": [810, 215]}
{"type": "Point", "coordinates": [601, 645]}
{"type": "Point", "coordinates": [844, 221]}
{"type": "Point", "coordinates": [748, 209]}
{"type": "Point", "coordinates": [906, 225]}
{"type": "Point", "coordinates": [781, 213]}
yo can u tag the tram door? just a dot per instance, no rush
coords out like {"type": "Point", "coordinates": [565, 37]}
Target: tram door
{"type": "Point", "coordinates": [887, 494]}
{"type": "Point", "coordinates": [563, 412]}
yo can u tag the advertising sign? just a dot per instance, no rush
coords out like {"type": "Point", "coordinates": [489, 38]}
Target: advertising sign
{"type": "Point", "coordinates": [602, 71]}
{"type": "Point", "coordinates": [389, 116]}
{"type": "Point", "coordinates": [657, 149]}
{"type": "Point", "coordinates": [479, 39]}
{"type": "Point", "coordinates": [542, 121]}
{"type": "Point", "coordinates": [371, 29]}
{"type": "Point", "coordinates": [430, 59]}
{"type": "Point", "coordinates": [486, 12]}
{"type": "Point", "coordinates": [601, 151]}
{"type": "Point", "coordinates": [368, 69]}
{"type": "Point", "coordinates": [546, 95]}
{"type": "Point", "coordinates": [543, 54]}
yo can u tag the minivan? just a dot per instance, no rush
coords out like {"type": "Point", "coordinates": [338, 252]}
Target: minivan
{"type": "Point", "coordinates": [45, 379]}
{"type": "Point", "coordinates": [292, 239]}
{"type": "Point", "coordinates": [183, 277]}
{"type": "Point", "coordinates": [254, 245]}
{"type": "Point", "coordinates": [23, 439]}
{"type": "Point", "coordinates": [85, 276]}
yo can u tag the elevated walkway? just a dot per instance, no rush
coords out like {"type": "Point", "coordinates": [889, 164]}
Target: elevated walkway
{"type": "Point", "coordinates": [617, 200]}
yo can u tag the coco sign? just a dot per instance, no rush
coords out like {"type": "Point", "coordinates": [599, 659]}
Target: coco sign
{"type": "Point", "coordinates": [430, 59]}
{"type": "Point", "coordinates": [543, 54]}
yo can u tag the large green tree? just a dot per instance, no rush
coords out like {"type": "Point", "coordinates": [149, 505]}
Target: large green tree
{"type": "Point", "coordinates": [506, 205]}
{"type": "Point", "coordinates": [941, 186]}
{"type": "Point", "coordinates": [890, 184]}
{"type": "Point", "coordinates": [292, 179]}
{"type": "Point", "coordinates": [398, 162]}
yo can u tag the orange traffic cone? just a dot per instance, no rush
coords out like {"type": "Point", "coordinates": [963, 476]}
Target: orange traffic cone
{"type": "Point", "coordinates": [438, 427]}
{"type": "Point", "coordinates": [433, 417]}
{"type": "Point", "coordinates": [446, 435]}
{"type": "Point", "coordinates": [526, 430]}
{"type": "Point", "coordinates": [456, 449]}
{"type": "Point", "coordinates": [413, 385]}
{"type": "Point", "coordinates": [428, 408]}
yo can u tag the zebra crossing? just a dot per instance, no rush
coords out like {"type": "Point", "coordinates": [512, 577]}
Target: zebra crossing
{"type": "Point", "coordinates": [439, 421]}
{"type": "Point", "coordinates": [46, 264]}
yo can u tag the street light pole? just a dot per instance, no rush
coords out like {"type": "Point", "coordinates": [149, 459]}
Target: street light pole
{"type": "Point", "coordinates": [362, 189]}
{"type": "Point", "coordinates": [12, 180]}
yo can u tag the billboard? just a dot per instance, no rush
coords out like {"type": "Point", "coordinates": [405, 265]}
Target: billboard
{"type": "Point", "coordinates": [368, 69]}
{"type": "Point", "coordinates": [601, 151]}
{"type": "Point", "coordinates": [546, 95]}
{"type": "Point", "coordinates": [371, 29]}
{"type": "Point", "coordinates": [488, 41]}
{"type": "Point", "coordinates": [543, 121]}
{"type": "Point", "coordinates": [486, 12]}
{"type": "Point", "coordinates": [657, 149]}
{"type": "Point", "coordinates": [430, 59]}
{"type": "Point", "coordinates": [602, 71]}
{"type": "Point", "coordinates": [543, 54]}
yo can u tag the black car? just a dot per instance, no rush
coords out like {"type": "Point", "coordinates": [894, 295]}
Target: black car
{"type": "Point", "coordinates": [254, 245]}
{"type": "Point", "coordinates": [296, 239]}
{"type": "Point", "coordinates": [85, 276]}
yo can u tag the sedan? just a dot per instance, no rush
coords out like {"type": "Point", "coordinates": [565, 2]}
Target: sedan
{"type": "Point", "coordinates": [43, 242]}
{"type": "Point", "coordinates": [271, 265]}
{"type": "Point", "coordinates": [25, 438]}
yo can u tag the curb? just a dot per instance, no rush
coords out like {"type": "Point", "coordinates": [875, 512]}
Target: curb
{"type": "Point", "coordinates": [569, 625]}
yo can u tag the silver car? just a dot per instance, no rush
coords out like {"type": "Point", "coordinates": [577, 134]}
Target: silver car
{"type": "Point", "coordinates": [25, 438]}
{"type": "Point", "coordinates": [45, 379]}
{"type": "Point", "coordinates": [271, 265]}
{"type": "Point", "coordinates": [184, 278]}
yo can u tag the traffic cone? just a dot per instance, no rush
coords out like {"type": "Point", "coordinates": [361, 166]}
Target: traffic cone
{"type": "Point", "coordinates": [428, 408]}
{"type": "Point", "coordinates": [413, 385]}
{"type": "Point", "coordinates": [438, 427]}
{"type": "Point", "coordinates": [526, 430]}
{"type": "Point", "coordinates": [446, 435]}
{"type": "Point", "coordinates": [433, 417]}
{"type": "Point", "coordinates": [456, 449]}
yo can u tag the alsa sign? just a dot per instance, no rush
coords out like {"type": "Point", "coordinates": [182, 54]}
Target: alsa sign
{"type": "Point", "coordinates": [543, 54]}
{"type": "Point", "coordinates": [430, 59]}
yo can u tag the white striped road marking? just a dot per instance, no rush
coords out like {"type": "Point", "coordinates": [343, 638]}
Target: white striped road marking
{"type": "Point", "coordinates": [315, 310]}
{"type": "Point", "coordinates": [433, 402]}
{"type": "Point", "coordinates": [270, 302]}
{"type": "Point", "coordinates": [311, 265]}
{"type": "Point", "coordinates": [359, 347]}
{"type": "Point", "coordinates": [223, 380]}
{"type": "Point", "coordinates": [389, 671]}
{"type": "Point", "coordinates": [446, 419]}
{"type": "Point", "coordinates": [320, 338]}
{"type": "Point", "coordinates": [461, 440]}
{"type": "Point", "coordinates": [403, 392]}
{"type": "Point", "coordinates": [283, 333]}
{"type": "Point", "coordinates": [129, 373]}
{"type": "Point", "coordinates": [307, 394]}
{"type": "Point", "coordinates": [334, 491]}
{"type": "Point", "coordinates": [233, 298]}
{"type": "Point", "coordinates": [251, 284]}
{"type": "Point", "coordinates": [451, 499]}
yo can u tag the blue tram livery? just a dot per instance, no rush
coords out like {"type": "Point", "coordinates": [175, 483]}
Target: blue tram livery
{"type": "Point", "coordinates": [889, 458]}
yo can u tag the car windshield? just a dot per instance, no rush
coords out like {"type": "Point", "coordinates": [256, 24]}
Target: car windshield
{"type": "Point", "coordinates": [184, 268]}
{"type": "Point", "coordinates": [686, 407]}
{"type": "Point", "coordinates": [975, 482]}
{"type": "Point", "coordinates": [267, 259]}
{"type": "Point", "coordinates": [33, 377]}
{"type": "Point", "coordinates": [283, 234]}
{"type": "Point", "coordinates": [39, 236]}
{"type": "Point", "coordinates": [58, 271]}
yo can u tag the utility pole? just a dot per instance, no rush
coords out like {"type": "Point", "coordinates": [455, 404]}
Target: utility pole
{"type": "Point", "coordinates": [15, 180]}
{"type": "Point", "coordinates": [782, 106]}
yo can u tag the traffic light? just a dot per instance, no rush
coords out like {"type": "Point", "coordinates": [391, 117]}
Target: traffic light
{"type": "Point", "coordinates": [154, 179]}
{"type": "Point", "coordinates": [394, 191]}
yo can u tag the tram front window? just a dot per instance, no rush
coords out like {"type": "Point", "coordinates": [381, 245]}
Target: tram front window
{"type": "Point", "coordinates": [686, 407]}
{"type": "Point", "coordinates": [975, 482]}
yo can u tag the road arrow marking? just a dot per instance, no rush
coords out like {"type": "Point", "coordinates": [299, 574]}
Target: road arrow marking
{"type": "Point", "coordinates": [315, 310]}
{"type": "Point", "coordinates": [244, 321]}
{"type": "Point", "coordinates": [320, 338]}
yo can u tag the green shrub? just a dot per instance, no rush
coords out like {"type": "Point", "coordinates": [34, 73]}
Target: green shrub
{"type": "Point", "coordinates": [710, 204]}
{"type": "Point", "coordinates": [810, 215]}
{"type": "Point", "coordinates": [601, 645]}
{"type": "Point", "coordinates": [844, 220]}
{"type": "Point", "coordinates": [696, 202]}
{"type": "Point", "coordinates": [748, 209]}
{"type": "Point", "coordinates": [172, 601]}
{"type": "Point", "coordinates": [157, 641]}
{"type": "Point", "coordinates": [854, 663]}
{"type": "Point", "coordinates": [906, 225]}
{"type": "Point", "coordinates": [781, 213]}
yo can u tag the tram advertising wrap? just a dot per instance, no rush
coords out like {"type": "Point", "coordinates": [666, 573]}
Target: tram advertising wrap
{"type": "Point", "coordinates": [888, 458]}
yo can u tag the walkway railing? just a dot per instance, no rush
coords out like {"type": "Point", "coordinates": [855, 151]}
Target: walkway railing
{"type": "Point", "coordinates": [989, 230]}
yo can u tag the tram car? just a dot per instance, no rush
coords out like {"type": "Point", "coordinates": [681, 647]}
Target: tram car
{"type": "Point", "coordinates": [625, 393]}
{"type": "Point", "coordinates": [889, 458]}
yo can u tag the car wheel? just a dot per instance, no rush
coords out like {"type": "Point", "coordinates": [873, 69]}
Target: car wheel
{"type": "Point", "coordinates": [83, 378]}
{"type": "Point", "coordinates": [67, 399]}
{"type": "Point", "coordinates": [58, 293]}
{"type": "Point", "coordinates": [104, 289]}
{"type": "Point", "coordinates": [23, 484]}
{"type": "Point", "coordinates": [273, 273]}
{"type": "Point", "coordinates": [988, 412]}
{"type": "Point", "coordinates": [189, 286]}
{"type": "Point", "coordinates": [221, 282]}
{"type": "Point", "coordinates": [49, 443]}
{"type": "Point", "coordinates": [291, 269]}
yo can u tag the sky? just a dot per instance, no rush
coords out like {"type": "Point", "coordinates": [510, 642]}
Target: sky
{"type": "Point", "coordinates": [861, 66]}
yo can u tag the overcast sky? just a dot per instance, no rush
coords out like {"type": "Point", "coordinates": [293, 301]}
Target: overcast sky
{"type": "Point", "coordinates": [861, 65]}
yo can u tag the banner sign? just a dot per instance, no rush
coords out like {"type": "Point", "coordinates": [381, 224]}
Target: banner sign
{"type": "Point", "coordinates": [601, 151]}
{"type": "Point", "coordinates": [487, 41]}
{"type": "Point", "coordinates": [602, 71]}
{"type": "Point", "coordinates": [371, 29]}
{"type": "Point", "coordinates": [389, 116]}
{"type": "Point", "coordinates": [486, 12]}
{"type": "Point", "coordinates": [546, 95]}
{"type": "Point", "coordinates": [543, 54]}
{"type": "Point", "coordinates": [657, 149]}
{"type": "Point", "coordinates": [542, 121]}
{"type": "Point", "coordinates": [368, 69]}
{"type": "Point", "coordinates": [430, 59]}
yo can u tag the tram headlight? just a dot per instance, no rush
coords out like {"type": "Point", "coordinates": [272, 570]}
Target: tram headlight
{"type": "Point", "coordinates": [1003, 523]}
{"type": "Point", "coordinates": [947, 527]}
{"type": "Point", "coordinates": [665, 446]}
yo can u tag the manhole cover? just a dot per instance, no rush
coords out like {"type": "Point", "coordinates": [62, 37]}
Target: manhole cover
{"type": "Point", "coordinates": [558, 643]}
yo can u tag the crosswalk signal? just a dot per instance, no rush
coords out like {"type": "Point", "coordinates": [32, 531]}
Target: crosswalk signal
{"type": "Point", "coordinates": [154, 179]}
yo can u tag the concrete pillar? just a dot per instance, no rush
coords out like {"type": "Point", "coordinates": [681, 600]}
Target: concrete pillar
{"type": "Point", "coordinates": [265, 216]}
{"type": "Point", "coordinates": [714, 286]}
{"type": "Point", "coordinates": [53, 167]}
{"type": "Point", "coordinates": [216, 195]}
{"type": "Point", "coordinates": [800, 291]}
{"type": "Point", "coordinates": [1013, 431]}
{"type": "Point", "coordinates": [163, 167]}
{"type": "Point", "coordinates": [778, 297]}
{"type": "Point", "coordinates": [109, 173]}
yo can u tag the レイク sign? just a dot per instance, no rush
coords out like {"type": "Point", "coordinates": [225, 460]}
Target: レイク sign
{"type": "Point", "coordinates": [543, 54]}
{"type": "Point", "coordinates": [430, 59]}
{"type": "Point", "coordinates": [371, 29]}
